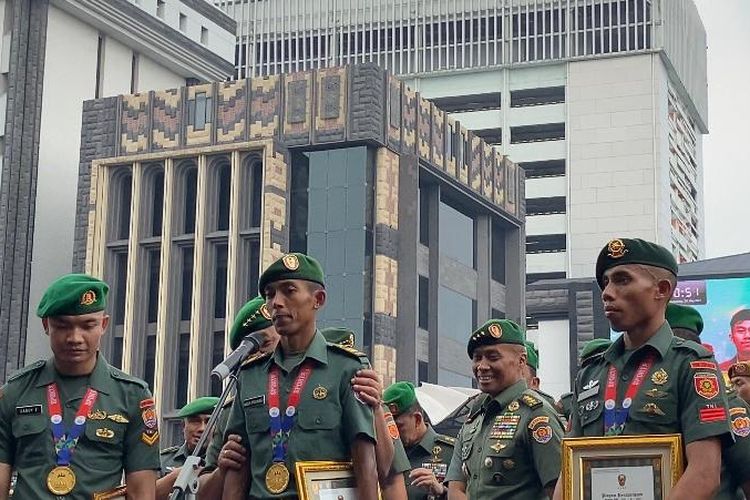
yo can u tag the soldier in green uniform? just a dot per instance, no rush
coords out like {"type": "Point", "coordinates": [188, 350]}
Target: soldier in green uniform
{"type": "Point", "coordinates": [297, 403]}
{"type": "Point", "coordinates": [429, 452]}
{"type": "Point", "coordinates": [71, 426]}
{"type": "Point", "coordinates": [195, 416]}
{"type": "Point", "coordinates": [649, 381]}
{"type": "Point", "coordinates": [509, 446]}
{"type": "Point", "coordinates": [389, 452]}
{"type": "Point", "coordinates": [531, 369]}
{"type": "Point", "coordinates": [739, 375]}
{"type": "Point", "coordinates": [687, 323]}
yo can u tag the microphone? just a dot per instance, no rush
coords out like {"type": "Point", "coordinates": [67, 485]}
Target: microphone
{"type": "Point", "coordinates": [249, 345]}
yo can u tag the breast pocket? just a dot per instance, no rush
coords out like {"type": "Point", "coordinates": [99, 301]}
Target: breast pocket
{"type": "Point", "coordinates": [589, 414]}
{"type": "Point", "coordinates": [502, 464]}
{"type": "Point", "coordinates": [320, 416]}
{"type": "Point", "coordinates": [104, 444]}
{"type": "Point", "coordinates": [657, 415]}
{"type": "Point", "coordinates": [31, 434]}
{"type": "Point", "coordinates": [257, 419]}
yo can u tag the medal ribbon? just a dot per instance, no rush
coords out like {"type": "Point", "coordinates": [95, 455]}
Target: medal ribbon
{"type": "Point", "coordinates": [614, 416]}
{"type": "Point", "coordinates": [282, 425]}
{"type": "Point", "coordinates": [65, 442]}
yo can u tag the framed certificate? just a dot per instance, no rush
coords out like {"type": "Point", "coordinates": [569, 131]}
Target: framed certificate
{"type": "Point", "coordinates": [325, 481]}
{"type": "Point", "coordinates": [113, 494]}
{"type": "Point", "coordinates": [640, 467]}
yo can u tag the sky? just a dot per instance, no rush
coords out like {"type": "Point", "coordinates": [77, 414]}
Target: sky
{"type": "Point", "coordinates": [726, 148]}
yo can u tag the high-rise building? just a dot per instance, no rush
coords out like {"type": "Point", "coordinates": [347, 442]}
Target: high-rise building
{"type": "Point", "coordinates": [54, 54]}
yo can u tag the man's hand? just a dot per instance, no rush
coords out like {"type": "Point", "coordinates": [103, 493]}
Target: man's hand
{"type": "Point", "coordinates": [424, 478]}
{"type": "Point", "coordinates": [232, 455]}
{"type": "Point", "coordinates": [368, 385]}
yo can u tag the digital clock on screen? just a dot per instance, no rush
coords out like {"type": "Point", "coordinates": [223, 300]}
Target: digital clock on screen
{"type": "Point", "coordinates": [690, 292]}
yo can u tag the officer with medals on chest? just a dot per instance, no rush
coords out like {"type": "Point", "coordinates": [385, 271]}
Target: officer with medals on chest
{"type": "Point", "coordinates": [649, 381]}
{"type": "Point", "coordinates": [509, 446]}
{"type": "Point", "coordinates": [429, 453]}
{"type": "Point", "coordinates": [297, 403]}
{"type": "Point", "coordinates": [687, 323]}
{"type": "Point", "coordinates": [72, 425]}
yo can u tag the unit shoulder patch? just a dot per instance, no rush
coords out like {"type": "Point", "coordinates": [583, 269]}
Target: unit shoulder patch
{"type": "Point", "coordinates": [27, 370]}
{"type": "Point", "coordinates": [254, 358]}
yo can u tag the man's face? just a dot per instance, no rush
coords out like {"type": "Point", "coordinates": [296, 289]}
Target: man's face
{"type": "Point", "coordinates": [75, 339]}
{"type": "Point", "coordinates": [270, 339]}
{"type": "Point", "coordinates": [497, 367]}
{"type": "Point", "coordinates": [741, 339]}
{"type": "Point", "coordinates": [531, 379]}
{"type": "Point", "coordinates": [409, 428]}
{"type": "Point", "coordinates": [742, 384]}
{"type": "Point", "coordinates": [630, 297]}
{"type": "Point", "coordinates": [194, 427]}
{"type": "Point", "coordinates": [293, 305]}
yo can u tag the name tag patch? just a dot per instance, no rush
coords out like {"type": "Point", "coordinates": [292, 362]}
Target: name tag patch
{"type": "Point", "coordinates": [29, 410]}
{"type": "Point", "coordinates": [588, 393]}
{"type": "Point", "coordinates": [255, 401]}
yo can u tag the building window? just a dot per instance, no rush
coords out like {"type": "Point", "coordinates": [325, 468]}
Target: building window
{"type": "Point", "coordinates": [456, 234]}
{"type": "Point", "coordinates": [183, 22]}
{"type": "Point", "coordinates": [221, 262]}
{"type": "Point", "coordinates": [160, 6]}
{"type": "Point", "coordinates": [492, 136]}
{"type": "Point", "coordinates": [545, 243]}
{"type": "Point", "coordinates": [125, 184]}
{"type": "Point", "coordinates": [498, 253]}
{"type": "Point", "coordinates": [191, 198]}
{"type": "Point", "coordinates": [536, 97]}
{"type": "Point", "coordinates": [456, 313]}
{"type": "Point", "coordinates": [121, 281]}
{"type": "Point", "coordinates": [423, 303]}
{"type": "Point", "coordinates": [532, 277]}
{"type": "Point", "coordinates": [465, 103]}
{"type": "Point", "coordinates": [546, 168]}
{"type": "Point", "coordinates": [222, 195]}
{"type": "Point", "coordinates": [424, 216]}
{"type": "Point", "coordinates": [545, 206]}
{"type": "Point", "coordinates": [537, 133]}
{"type": "Point", "coordinates": [134, 72]}
{"type": "Point", "coordinates": [149, 363]}
{"type": "Point", "coordinates": [204, 35]}
{"type": "Point", "coordinates": [183, 365]}
{"type": "Point", "coordinates": [154, 267]}
{"type": "Point", "coordinates": [217, 356]}
{"type": "Point", "coordinates": [497, 314]}
{"type": "Point", "coordinates": [99, 67]}
{"type": "Point", "coordinates": [186, 296]}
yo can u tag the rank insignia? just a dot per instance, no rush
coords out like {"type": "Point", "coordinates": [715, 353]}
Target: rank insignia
{"type": "Point", "coordinates": [105, 433]}
{"type": "Point", "coordinates": [150, 434]}
{"type": "Point", "coordinates": [290, 261]}
{"type": "Point", "coordinates": [737, 410]}
{"type": "Point", "coordinates": [703, 365]}
{"type": "Point", "coordinates": [651, 409]}
{"type": "Point", "coordinates": [465, 450]}
{"type": "Point", "coordinates": [656, 393]}
{"type": "Point", "coordinates": [97, 415]}
{"type": "Point", "coordinates": [390, 423]}
{"type": "Point", "coordinates": [660, 377]}
{"type": "Point", "coordinates": [530, 401]}
{"type": "Point", "coordinates": [436, 451]}
{"type": "Point", "coordinates": [495, 330]}
{"type": "Point", "coordinates": [513, 406]}
{"type": "Point", "coordinates": [711, 413]}
{"type": "Point", "coordinates": [542, 434]}
{"type": "Point", "coordinates": [616, 249]}
{"type": "Point", "coordinates": [88, 298]}
{"type": "Point", "coordinates": [498, 446]}
{"type": "Point", "coordinates": [150, 437]}
{"type": "Point", "coordinates": [741, 426]}
{"type": "Point", "coordinates": [590, 384]}
{"type": "Point", "coordinates": [706, 384]}
{"type": "Point", "coordinates": [320, 392]}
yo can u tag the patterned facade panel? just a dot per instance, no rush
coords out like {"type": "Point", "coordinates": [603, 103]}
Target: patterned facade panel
{"type": "Point", "coordinates": [487, 170]}
{"type": "Point", "coordinates": [134, 120]}
{"type": "Point", "coordinates": [424, 128]}
{"type": "Point", "coordinates": [463, 154]}
{"type": "Point", "coordinates": [166, 119]}
{"type": "Point", "coordinates": [438, 137]}
{"type": "Point", "coordinates": [393, 110]}
{"type": "Point", "coordinates": [386, 188]}
{"type": "Point", "coordinates": [451, 146]}
{"type": "Point", "coordinates": [475, 165]}
{"type": "Point", "coordinates": [231, 111]}
{"type": "Point", "coordinates": [298, 108]}
{"type": "Point", "coordinates": [498, 168]}
{"type": "Point", "coordinates": [367, 103]}
{"type": "Point", "coordinates": [265, 99]}
{"type": "Point", "coordinates": [386, 286]}
{"type": "Point", "coordinates": [275, 231]}
{"type": "Point", "coordinates": [332, 100]}
{"type": "Point", "coordinates": [511, 186]}
{"type": "Point", "coordinates": [200, 114]}
{"type": "Point", "coordinates": [409, 120]}
{"type": "Point", "coordinates": [384, 362]}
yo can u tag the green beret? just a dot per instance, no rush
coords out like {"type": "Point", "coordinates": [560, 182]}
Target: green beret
{"type": "Point", "coordinates": [594, 347]}
{"type": "Point", "coordinates": [400, 397]}
{"type": "Point", "coordinates": [741, 369]}
{"type": "Point", "coordinates": [252, 317]}
{"type": "Point", "coordinates": [679, 316]}
{"type": "Point", "coordinates": [292, 266]}
{"type": "Point", "coordinates": [633, 251]}
{"type": "Point", "coordinates": [199, 406]}
{"type": "Point", "coordinates": [73, 295]}
{"type": "Point", "coordinates": [532, 355]}
{"type": "Point", "coordinates": [339, 335]}
{"type": "Point", "coordinates": [496, 331]}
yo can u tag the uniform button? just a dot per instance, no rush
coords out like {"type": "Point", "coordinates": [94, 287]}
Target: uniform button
{"type": "Point", "coordinates": [474, 476]}
{"type": "Point", "coordinates": [317, 420]}
{"type": "Point", "coordinates": [624, 377]}
{"type": "Point", "coordinates": [479, 449]}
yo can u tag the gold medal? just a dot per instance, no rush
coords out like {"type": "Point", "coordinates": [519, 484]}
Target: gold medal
{"type": "Point", "coordinates": [277, 478]}
{"type": "Point", "coordinates": [61, 480]}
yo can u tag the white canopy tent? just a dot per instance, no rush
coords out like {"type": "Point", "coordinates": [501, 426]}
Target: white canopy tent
{"type": "Point", "coordinates": [439, 401]}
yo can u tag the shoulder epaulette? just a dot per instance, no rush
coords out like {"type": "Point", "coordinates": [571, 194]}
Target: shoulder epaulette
{"type": "Point", "coordinates": [590, 359]}
{"type": "Point", "coordinates": [351, 352]}
{"type": "Point", "coordinates": [121, 375]}
{"type": "Point", "coordinates": [253, 358]}
{"type": "Point", "coordinates": [450, 441]}
{"type": "Point", "coordinates": [167, 451]}
{"type": "Point", "coordinates": [27, 369]}
{"type": "Point", "coordinates": [680, 343]}
{"type": "Point", "coordinates": [531, 401]}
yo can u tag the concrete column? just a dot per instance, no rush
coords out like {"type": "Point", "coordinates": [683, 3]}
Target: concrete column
{"type": "Point", "coordinates": [484, 266]}
{"type": "Point", "coordinates": [515, 275]}
{"type": "Point", "coordinates": [433, 213]}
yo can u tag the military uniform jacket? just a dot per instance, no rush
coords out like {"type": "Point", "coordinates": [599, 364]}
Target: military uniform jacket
{"type": "Point", "coordinates": [400, 463]}
{"type": "Point", "coordinates": [434, 451]}
{"type": "Point", "coordinates": [682, 392]}
{"type": "Point", "coordinates": [120, 433]}
{"type": "Point", "coordinates": [509, 447]}
{"type": "Point", "coordinates": [217, 439]}
{"type": "Point", "coordinates": [173, 458]}
{"type": "Point", "coordinates": [329, 416]}
{"type": "Point", "coordinates": [736, 456]}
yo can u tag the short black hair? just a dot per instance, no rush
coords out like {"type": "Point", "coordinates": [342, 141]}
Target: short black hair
{"type": "Point", "coordinates": [739, 316]}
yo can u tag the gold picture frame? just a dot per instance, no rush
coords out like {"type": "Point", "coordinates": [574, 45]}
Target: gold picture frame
{"type": "Point", "coordinates": [324, 480]}
{"type": "Point", "coordinates": [591, 466]}
{"type": "Point", "coordinates": [113, 494]}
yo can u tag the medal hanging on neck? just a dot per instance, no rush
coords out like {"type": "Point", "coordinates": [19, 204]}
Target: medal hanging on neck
{"type": "Point", "coordinates": [615, 416]}
{"type": "Point", "coordinates": [277, 475]}
{"type": "Point", "coordinates": [61, 480]}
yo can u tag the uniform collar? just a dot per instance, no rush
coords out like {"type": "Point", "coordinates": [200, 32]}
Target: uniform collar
{"type": "Point", "coordinates": [317, 350]}
{"type": "Point", "coordinates": [428, 440]}
{"type": "Point", "coordinates": [660, 341]}
{"type": "Point", "coordinates": [98, 379]}
{"type": "Point", "coordinates": [182, 451]}
{"type": "Point", "coordinates": [511, 393]}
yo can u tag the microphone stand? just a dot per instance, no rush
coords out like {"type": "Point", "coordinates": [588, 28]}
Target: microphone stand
{"type": "Point", "coordinates": [186, 485]}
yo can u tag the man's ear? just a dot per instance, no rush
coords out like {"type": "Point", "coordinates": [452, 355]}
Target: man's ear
{"type": "Point", "coordinates": [45, 325]}
{"type": "Point", "coordinates": [105, 322]}
{"type": "Point", "coordinates": [320, 297]}
{"type": "Point", "coordinates": [664, 289]}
